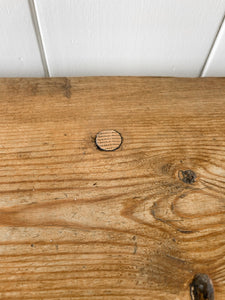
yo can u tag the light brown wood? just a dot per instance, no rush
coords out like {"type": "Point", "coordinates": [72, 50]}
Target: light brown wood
{"type": "Point", "coordinates": [80, 223]}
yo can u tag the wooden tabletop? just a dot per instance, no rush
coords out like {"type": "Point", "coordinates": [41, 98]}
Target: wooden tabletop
{"type": "Point", "coordinates": [112, 188]}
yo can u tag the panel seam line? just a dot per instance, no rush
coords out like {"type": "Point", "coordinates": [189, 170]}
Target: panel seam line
{"type": "Point", "coordinates": [211, 50]}
{"type": "Point", "coordinates": [39, 37]}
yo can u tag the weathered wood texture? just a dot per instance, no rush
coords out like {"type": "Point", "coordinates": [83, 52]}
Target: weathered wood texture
{"type": "Point", "coordinates": [80, 223]}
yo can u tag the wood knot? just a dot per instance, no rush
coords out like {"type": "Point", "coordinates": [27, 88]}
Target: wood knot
{"type": "Point", "coordinates": [201, 288]}
{"type": "Point", "coordinates": [108, 140]}
{"type": "Point", "coordinates": [187, 176]}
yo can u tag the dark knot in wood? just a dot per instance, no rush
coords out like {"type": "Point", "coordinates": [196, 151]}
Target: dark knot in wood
{"type": "Point", "coordinates": [187, 176]}
{"type": "Point", "coordinates": [201, 288]}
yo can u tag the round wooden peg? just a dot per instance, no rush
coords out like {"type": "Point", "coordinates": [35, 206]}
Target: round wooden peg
{"type": "Point", "coordinates": [108, 140]}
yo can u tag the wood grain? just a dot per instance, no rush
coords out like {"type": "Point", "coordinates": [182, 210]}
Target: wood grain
{"type": "Point", "coordinates": [80, 223]}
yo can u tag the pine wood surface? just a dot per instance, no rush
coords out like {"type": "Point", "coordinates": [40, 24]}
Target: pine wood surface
{"type": "Point", "coordinates": [80, 223]}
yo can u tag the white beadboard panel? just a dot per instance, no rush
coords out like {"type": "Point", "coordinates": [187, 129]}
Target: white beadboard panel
{"type": "Point", "coordinates": [19, 51]}
{"type": "Point", "coordinates": [128, 37]}
{"type": "Point", "coordinates": [215, 65]}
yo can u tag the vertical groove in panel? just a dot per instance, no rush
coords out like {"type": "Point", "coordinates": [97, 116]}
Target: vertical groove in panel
{"type": "Point", "coordinates": [212, 49]}
{"type": "Point", "coordinates": [19, 51]}
{"type": "Point", "coordinates": [129, 37]}
{"type": "Point", "coordinates": [39, 37]}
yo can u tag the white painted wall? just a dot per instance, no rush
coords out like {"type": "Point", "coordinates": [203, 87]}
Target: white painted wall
{"type": "Point", "coordinates": [128, 37]}
{"type": "Point", "coordinates": [114, 37]}
{"type": "Point", "coordinates": [215, 65]}
{"type": "Point", "coordinates": [19, 51]}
